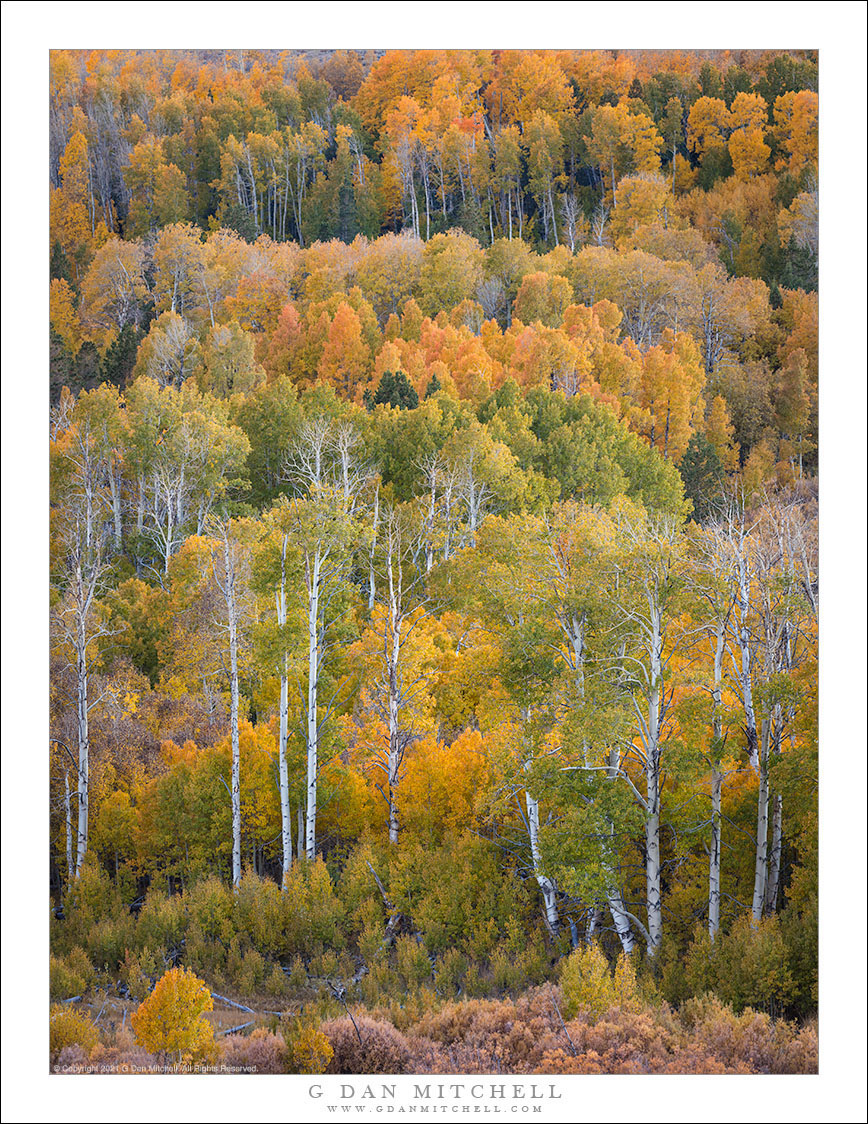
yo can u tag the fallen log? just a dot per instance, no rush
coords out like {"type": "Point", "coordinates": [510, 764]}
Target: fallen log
{"type": "Point", "coordinates": [235, 1029]}
{"type": "Point", "coordinates": [232, 1003]}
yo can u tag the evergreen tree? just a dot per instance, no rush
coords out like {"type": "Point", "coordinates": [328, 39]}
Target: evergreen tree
{"type": "Point", "coordinates": [701, 472]}
{"type": "Point", "coordinates": [119, 360]}
{"type": "Point", "coordinates": [394, 390]}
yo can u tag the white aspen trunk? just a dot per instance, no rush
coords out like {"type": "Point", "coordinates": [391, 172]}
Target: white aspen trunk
{"type": "Point", "coordinates": [88, 493]}
{"type": "Point", "coordinates": [140, 509]}
{"type": "Point", "coordinates": [116, 509]}
{"type": "Point", "coordinates": [614, 898]}
{"type": "Point", "coordinates": [714, 855]}
{"type": "Point", "coordinates": [372, 579]}
{"type": "Point", "coordinates": [312, 682]}
{"type": "Point", "coordinates": [652, 782]}
{"type": "Point", "coordinates": [67, 809]}
{"type": "Point", "coordinates": [427, 201]}
{"type": "Point", "coordinates": [393, 653]}
{"type": "Point", "coordinates": [771, 897]}
{"type": "Point", "coordinates": [546, 885]}
{"type": "Point", "coordinates": [762, 828]}
{"type": "Point", "coordinates": [167, 553]}
{"type": "Point", "coordinates": [232, 607]}
{"type": "Point", "coordinates": [716, 788]}
{"type": "Point", "coordinates": [252, 181]}
{"type": "Point", "coordinates": [745, 671]}
{"type": "Point", "coordinates": [652, 867]}
{"type": "Point", "coordinates": [448, 516]}
{"type": "Point", "coordinates": [300, 819]}
{"type": "Point", "coordinates": [285, 814]}
{"type": "Point", "coordinates": [83, 742]}
{"type": "Point", "coordinates": [621, 921]}
{"type": "Point", "coordinates": [432, 509]}
{"type": "Point", "coordinates": [591, 927]}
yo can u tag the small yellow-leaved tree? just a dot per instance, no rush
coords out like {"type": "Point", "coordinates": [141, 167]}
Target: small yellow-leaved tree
{"type": "Point", "coordinates": [172, 1019]}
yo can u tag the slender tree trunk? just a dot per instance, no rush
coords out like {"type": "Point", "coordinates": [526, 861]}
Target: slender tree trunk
{"type": "Point", "coordinates": [621, 921]}
{"type": "Point", "coordinates": [67, 809]}
{"type": "Point", "coordinates": [546, 885]}
{"type": "Point", "coordinates": [746, 663]}
{"type": "Point", "coordinates": [762, 828]}
{"type": "Point", "coordinates": [116, 508]}
{"type": "Point", "coordinates": [312, 683]}
{"type": "Point", "coordinates": [372, 579]}
{"type": "Point", "coordinates": [285, 814]}
{"type": "Point", "coordinates": [714, 855]}
{"type": "Point", "coordinates": [652, 867]}
{"type": "Point", "coordinates": [771, 897]}
{"type": "Point", "coordinates": [167, 553]}
{"type": "Point", "coordinates": [652, 788]}
{"type": "Point", "coordinates": [83, 746]}
{"type": "Point", "coordinates": [716, 787]}
{"type": "Point", "coordinates": [232, 606]}
{"type": "Point", "coordinates": [393, 653]}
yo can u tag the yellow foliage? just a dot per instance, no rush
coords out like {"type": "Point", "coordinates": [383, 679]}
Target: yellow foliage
{"type": "Point", "coordinates": [68, 1028]}
{"type": "Point", "coordinates": [441, 784]}
{"type": "Point", "coordinates": [309, 1050]}
{"type": "Point", "coordinates": [172, 1018]}
{"type": "Point", "coordinates": [63, 314]}
{"type": "Point", "coordinates": [587, 983]}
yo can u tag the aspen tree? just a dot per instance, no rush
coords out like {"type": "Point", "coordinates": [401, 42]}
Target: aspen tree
{"type": "Point", "coordinates": [321, 517]}
{"type": "Point", "coordinates": [78, 625]}
{"type": "Point", "coordinates": [231, 574]}
{"type": "Point", "coordinates": [650, 563]}
{"type": "Point", "coordinates": [400, 562]}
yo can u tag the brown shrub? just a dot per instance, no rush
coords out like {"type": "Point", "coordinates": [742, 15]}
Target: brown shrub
{"type": "Point", "coordinates": [260, 1051]}
{"type": "Point", "coordinates": [492, 1036]}
{"type": "Point", "coordinates": [382, 1048]}
{"type": "Point", "coordinates": [71, 1059]}
{"type": "Point", "coordinates": [751, 1038]}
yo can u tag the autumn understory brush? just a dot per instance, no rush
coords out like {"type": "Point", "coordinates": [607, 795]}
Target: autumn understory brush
{"type": "Point", "coordinates": [525, 1034]}
{"type": "Point", "coordinates": [308, 983]}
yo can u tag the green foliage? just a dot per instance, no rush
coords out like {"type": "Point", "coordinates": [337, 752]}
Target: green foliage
{"type": "Point", "coordinates": [70, 975]}
{"type": "Point", "coordinates": [96, 918]}
{"type": "Point", "coordinates": [752, 968]}
{"type": "Point", "coordinates": [393, 390]}
{"type": "Point", "coordinates": [746, 967]}
{"type": "Point", "coordinates": [140, 971]}
{"type": "Point", "coordinates": [456, 895]}
{"type": "Point", "coordinates": [701, 472]}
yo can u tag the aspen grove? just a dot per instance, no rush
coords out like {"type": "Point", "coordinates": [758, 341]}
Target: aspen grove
{"type": "Point", "coordinates": [434, 560]}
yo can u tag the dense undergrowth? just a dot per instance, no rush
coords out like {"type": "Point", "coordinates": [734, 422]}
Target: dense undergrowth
{"type": "Point", "coordinates": [344, 997]}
